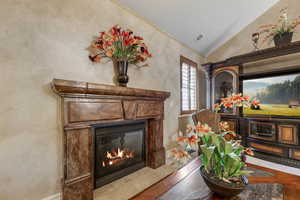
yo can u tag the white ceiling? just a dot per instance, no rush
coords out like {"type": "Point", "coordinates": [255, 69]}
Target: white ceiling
{"type": "Point", "coordinates": [217, 20]}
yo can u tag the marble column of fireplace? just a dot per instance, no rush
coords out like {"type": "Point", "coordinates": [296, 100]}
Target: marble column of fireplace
{"type": "Point", "coordinates": [86, 104]}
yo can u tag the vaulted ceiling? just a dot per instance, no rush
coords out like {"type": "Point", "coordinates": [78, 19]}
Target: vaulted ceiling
{"type": "Point", "coordinates": [185, 20]}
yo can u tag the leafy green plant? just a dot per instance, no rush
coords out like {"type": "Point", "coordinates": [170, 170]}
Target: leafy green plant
{"type": "Point", "coordinates": [221, 151]}
{"type": "Point", "coordinates": [221, 158]}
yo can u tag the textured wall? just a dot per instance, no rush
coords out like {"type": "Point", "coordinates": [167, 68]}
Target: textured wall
{"type": "Point", "coordinates": [241, 43]}
{"type": "Point", "coordinates": [42, 40]}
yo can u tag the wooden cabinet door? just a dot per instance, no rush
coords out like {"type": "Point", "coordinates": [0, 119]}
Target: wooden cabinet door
{"type": "Point", "coordinates": [288, 134]}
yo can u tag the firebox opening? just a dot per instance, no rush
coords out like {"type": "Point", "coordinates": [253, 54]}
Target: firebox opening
{"type": "Point", "coordinates": [120, 149]}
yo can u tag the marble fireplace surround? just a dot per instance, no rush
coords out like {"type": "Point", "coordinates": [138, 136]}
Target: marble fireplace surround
{"type": "Point", "coordinates": [86, 104]}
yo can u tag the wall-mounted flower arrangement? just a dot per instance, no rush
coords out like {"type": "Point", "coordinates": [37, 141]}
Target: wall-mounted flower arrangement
{"type": "Point", "coordinates": [123, 48]}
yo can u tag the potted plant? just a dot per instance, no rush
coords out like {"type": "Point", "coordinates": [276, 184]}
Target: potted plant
{"type": "Point", "coordinates": [282, 32]}
{"type": "Point", "coordinates": [222, 155]}
{"type": "Point", "coordinates": [222, 165]}
{"type": "Point", "coordinates": [123, 48]}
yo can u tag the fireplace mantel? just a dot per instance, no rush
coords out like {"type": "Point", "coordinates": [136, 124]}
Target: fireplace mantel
{"type": "Point", "coordinates": [87, 104]}
{"type": "Point", "coordinates": [65, 87]}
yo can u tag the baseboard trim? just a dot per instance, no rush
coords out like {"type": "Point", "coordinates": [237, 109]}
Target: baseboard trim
{"type": "Point", "coordinates": [54, 197]}
{"type": "Point", "coordinates": [272, 165]}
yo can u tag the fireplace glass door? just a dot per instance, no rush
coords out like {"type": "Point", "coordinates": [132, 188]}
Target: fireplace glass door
{"type": "Point", "coordinates": [119, 150]}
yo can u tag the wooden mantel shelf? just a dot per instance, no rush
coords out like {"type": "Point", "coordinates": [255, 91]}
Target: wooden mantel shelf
{"type": "Point", "coordinates": [63, 87]}
{"type": "Point", "coordinates": [257, 55]}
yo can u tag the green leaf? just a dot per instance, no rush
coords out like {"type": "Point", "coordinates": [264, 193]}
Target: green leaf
{"type": "Point", "coordinates": [244, 172]}
{"type": "Point", "coordinates": [228, 148]}
{"type": "Point", "coordinates": [231, 164]}
{"type": "Point", "coordinates": [207, 153]}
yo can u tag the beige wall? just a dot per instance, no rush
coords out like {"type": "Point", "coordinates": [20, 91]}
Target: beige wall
{"type": "Point", "coordinates": [42, 40]}
{"type": "Point", "coordinates": [241, 43]}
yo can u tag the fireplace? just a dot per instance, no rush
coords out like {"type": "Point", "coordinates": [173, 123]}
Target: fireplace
{"type": "Point", "coordinates": [120, 149]}
{"type": "Point", "coordinates": [109, 132]}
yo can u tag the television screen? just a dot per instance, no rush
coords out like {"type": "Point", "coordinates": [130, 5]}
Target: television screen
{"type": "Point", "coordinates": [278, 95]}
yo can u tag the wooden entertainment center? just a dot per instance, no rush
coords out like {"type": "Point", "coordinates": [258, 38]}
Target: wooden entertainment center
{"type": "Point", "coordinates": [273, 137]}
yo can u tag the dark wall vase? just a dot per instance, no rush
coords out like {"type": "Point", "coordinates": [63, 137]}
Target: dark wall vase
{"type": "Point", "coordinates": [283, 40]}
{"type": "Point", "coordinates": [122, 77]}
{"type": "Point", "coordinates": [221, 188]}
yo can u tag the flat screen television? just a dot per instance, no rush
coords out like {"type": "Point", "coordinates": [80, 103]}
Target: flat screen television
{"type": "Point", "coordinates": [277, 95]}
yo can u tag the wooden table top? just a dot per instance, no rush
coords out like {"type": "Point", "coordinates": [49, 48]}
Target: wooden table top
{"type": "Point", "coordinates": [186, 181]}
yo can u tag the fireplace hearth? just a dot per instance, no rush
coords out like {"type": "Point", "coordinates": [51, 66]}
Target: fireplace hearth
{"type": "Point", "coordinates": [120, 149]}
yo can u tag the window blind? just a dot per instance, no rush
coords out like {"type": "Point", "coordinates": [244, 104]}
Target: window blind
{"type": "Point", "coordinates": [188, 85]}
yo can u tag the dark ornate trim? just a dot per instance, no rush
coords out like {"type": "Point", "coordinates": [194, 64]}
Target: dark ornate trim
{"type": "Point", "coordinates": [257, 55]}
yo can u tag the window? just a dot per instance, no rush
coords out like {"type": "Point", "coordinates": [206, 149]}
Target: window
{"type": "Point", "coordinates": [188, 80]}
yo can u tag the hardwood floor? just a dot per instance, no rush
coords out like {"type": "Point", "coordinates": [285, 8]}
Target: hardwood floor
{"type": "Point", "coordinates": [291, 182]}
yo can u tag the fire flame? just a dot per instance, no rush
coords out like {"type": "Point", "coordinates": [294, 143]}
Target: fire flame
{"type": "Point", "coordinates": [115, 157]}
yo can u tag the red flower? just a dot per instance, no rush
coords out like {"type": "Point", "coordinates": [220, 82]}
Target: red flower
{"type": "Point", "coordinates": [101, 35]}
{"type": "Point", "coordinates": [96, 58]}
{"type": "Point", "coordinates": [246, 98]}
{"type": "Point", "coordinates": [99, 44]}
{"type": "Point", "coordinates": [192, 140]}
{"type": "Point", "coordinates": [138, 38]}
{"type": "Point", "coordinates": [108, 44]}
{"type": "Point", "coordinates": [125, 34]}
{"type": "Point", "coordinates": [130, 47]}
{"type": "Point", "coordinates": [228, 105]}
{"type": "Point", "coordinates": [146, 51]}
{"type": "Point", "coordinates": [128, 42]}
{"type": "Point", "coordinates": [237, 98]}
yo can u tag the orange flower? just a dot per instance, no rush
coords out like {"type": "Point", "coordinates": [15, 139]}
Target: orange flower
{"type": "Point", "coordinates": [189, 128]}
{"type": "Point", "coordinates": [180, 154]}
{"type": "Point", "coordinates": [192, 140]}
{"type": "Point", "coordinates": [228, 105]}
{"type": "Point", "coordinates": [249, 151]}
{"type": "Point", "coordinates": [131, 48]}
{"type": "Point", "coordinates": [174, 151]}
{"type": "Point", "coordinates": [224, 126]}
{"type": "Point", "coordinates": [268, 26]}
{"type": "Point", "coordinates": [237, 97]}
{"type": "Point", "coordinates": [246, 98]}
{"type": "Point", "coordinates": [217, 107]}
{"type": "Point", "coordinates": [183, 154]}
{"type": "Point", "coordinates": [181, 139]}
{"type": "Point", "coordinates": [202, 128]}
{"type": "Point", "coordinates": [109, 53]}
{"type": "Point", "coordinates": [96, 58]}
